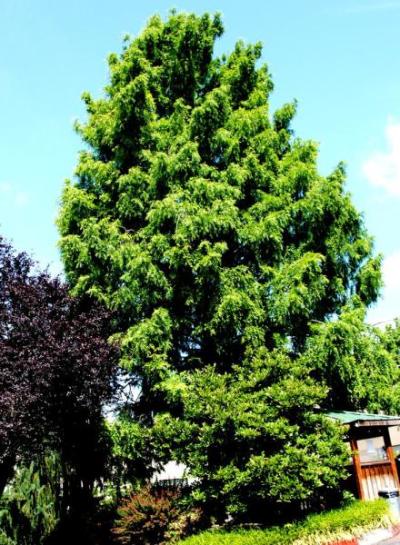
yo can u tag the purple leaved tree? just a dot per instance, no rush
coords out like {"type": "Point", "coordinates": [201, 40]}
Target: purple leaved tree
{"type": "Point", "coordinates": [57, 372]}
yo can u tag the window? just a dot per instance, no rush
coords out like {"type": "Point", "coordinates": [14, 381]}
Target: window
{"type": "Point", "coordinates": [372, 449]}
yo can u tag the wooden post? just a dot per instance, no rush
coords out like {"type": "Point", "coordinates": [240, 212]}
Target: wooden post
{"type": "Point", "coordinates": [357, 468]}
{"type": "Point", "coordinates": [391, 457]}
{"type": "Point", "coordinates": [393, 463]}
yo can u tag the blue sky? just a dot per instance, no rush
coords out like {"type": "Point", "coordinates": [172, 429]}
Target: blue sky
{"type": "Point", "coordinates": [340, 59]}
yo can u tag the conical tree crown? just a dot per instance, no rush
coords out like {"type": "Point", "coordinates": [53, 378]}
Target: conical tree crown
{"type": "Point", "coordinates": [198, 216]}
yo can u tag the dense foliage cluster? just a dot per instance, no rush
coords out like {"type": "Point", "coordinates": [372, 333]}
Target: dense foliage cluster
{"type": "Point", "coordinates": [200, 219]}
{"type": "Point", "coordinates": [56, 372]}
{"type": "Point", "coordinates": [232, 265]}
{"type": "Point", "coordinates": [339, 526]}
{"type": "Point", "coordinates": [253, 439]}
{"type": "Point", "coordinates": [146, 517]}
{"type": "Point", "coordinates": [360, 362]}
{"type": "Point", "coordinates": [30, 506]}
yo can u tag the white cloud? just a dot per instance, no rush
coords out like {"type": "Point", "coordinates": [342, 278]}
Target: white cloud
{"type": "Point", "coordinates": [389, 305]}
{"type": "Point", "coordinates": [382, 169]}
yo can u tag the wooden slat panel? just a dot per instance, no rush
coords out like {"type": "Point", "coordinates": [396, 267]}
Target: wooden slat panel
{"type": "Point", "coordinates": [369, 483]}
{"type": "Point", "coordinates": [376, 477]}
{"type": "Point", "coordinates": [377, 481]}
{"type": "Point", "coordinates": [365, 481]}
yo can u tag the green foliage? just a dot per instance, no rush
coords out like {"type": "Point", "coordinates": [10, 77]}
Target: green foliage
{"type": "Point", "coordinates": [359, 362]}
{"type": "Point", "coordinates": [328, 527]}
{"type": "Point", "coordinates": [204, 224]}
{"type": "Point", "coordinates": [391, 340]}
{"type": "Point", "coordinates": [29, 509]}
{"type": "Point", "coordinates": [131, 450]}
{"type": "Point", "coordinates": [200, 220]}
{"type": "Point", "coordinates": [252, 437]}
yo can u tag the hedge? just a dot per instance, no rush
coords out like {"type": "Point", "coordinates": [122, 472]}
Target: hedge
{"type": "Point", "coordinates": [339, 524]}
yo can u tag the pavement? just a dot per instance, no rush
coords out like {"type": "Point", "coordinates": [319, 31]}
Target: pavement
{"type": "Point", "coordinates": [395, 540]}
{"type": "Point", "coordinates": [382, 536]}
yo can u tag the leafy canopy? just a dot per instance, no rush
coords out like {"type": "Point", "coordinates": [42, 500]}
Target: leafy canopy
{"type": "Point", "coordinates": [253, 438]}
{"type": "Point", "coordinates": [56, 371]}
{"type": "Point", "coordinates": [200, 219]}
{"type": "Point", "coordinates": [360, 362]}
{"type": "Point", "coordinates": [196, 214]}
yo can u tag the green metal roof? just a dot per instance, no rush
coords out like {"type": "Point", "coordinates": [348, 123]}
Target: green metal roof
{"type": "Point", "coordinates": [349, 417]}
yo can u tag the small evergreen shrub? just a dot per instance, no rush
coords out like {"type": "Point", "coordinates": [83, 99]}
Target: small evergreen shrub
{"type": "Point", "coordinates": [29, 506]}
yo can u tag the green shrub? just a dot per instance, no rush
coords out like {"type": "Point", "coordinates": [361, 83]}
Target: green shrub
{"type": "Point", "coordinates": [321, 529]}
{"type": "Point", "coordinates": [28, 507]}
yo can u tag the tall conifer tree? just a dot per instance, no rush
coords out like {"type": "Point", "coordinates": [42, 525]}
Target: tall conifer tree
{"type": "Point", "coordinates": [203, 222]}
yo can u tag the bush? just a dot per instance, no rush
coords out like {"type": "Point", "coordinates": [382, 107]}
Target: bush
{"type": "Point", "coordinates": [151, 517]}
{"type": "Point", "coordinates": [351, 521]}
{"type": "Point", "coordinates": [29, 507]}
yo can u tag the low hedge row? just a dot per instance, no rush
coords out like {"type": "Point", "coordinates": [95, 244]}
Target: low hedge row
{"type": "Point", "coordinates": [339, 524]}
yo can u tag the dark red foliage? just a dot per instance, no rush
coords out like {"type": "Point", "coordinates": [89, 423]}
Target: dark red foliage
{"type": "Point", "coordinates": [56, 369]}
{"type": "Point", "coordinates": [155, 516]}
{"type": "Point", "coordinates": [145, 517]}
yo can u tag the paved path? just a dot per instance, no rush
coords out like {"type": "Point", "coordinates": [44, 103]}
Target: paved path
{"type": "Point", "coordinates": [395, 540]}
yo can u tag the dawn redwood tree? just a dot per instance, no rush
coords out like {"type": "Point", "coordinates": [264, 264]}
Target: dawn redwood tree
{"type": "Point", "coordinates": [201, 220]}
{"type": "Point", "coordinates": [56, 372]}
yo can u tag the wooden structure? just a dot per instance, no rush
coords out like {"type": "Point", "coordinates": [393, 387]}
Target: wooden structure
{"type": "Point", "coordinates": [374, 442]}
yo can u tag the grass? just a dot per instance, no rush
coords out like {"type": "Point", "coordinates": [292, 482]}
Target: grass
{"type": "Point", "coordinates": [327, 527]}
